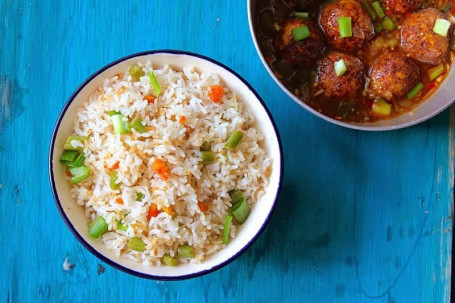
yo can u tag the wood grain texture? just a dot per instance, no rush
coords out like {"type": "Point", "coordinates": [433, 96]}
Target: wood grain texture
{"type": "Point", "coordinates": [363, 217]}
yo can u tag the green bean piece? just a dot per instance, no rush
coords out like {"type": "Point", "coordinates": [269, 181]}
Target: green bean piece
{"type": "Point", "coordinates": [97, 228]}
{"type": "Point", "coordinates": [136, 73]}
{"type": "Point", "coordinates": [136, 244]}
{"type": "Point", "coordinates": [79, 174]}
{"type": "Point", "coordinates": [207, 157]}
{"type": "Point", "coordinates": [113, 182]}
{"type": "Point", "coordinates": [168, 260]}
{"type": "Point", "coordinates": [236, 195]}
{"type": "Point", "coordinates": [240, 211]}
{"type": "Point", "coordinates": [68, 156]}
{"type": "Point", "coordinates": [234, 139]}
{"type": "Point", "coordinates": [185, 251]}
{"type": "Point", "coordinates": [77, 139]}
{"type": "Point", "coordinates": [205, 146]}
{"type": "Point", "coordinates": [139, 196]}
{"type": "Point", "coordinates": [121, 226]}
{"type": "Point", "coordinates": [136, 123]}
{"type": "Point", "coordinates": [227, 227]}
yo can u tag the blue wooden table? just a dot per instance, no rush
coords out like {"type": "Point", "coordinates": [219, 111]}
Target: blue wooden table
{"type": "Point", "coordinates": [363, 217]}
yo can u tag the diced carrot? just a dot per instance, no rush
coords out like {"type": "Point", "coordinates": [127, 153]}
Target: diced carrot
{"type": "Point", "coordinates": [431, 85]}
{"type": "Point", "coordinates": [203, 207]}
{"type": "Point", "coordinates": [168, 210]}
{"type": "Point", "coordinates": [115, 166]}
{"type": "Point", "coordinates": [67, 172]}
{"type": "Point", "coordinates": [161, 169]}
{"type": "Point", "coordinates": [182, 120]}
{"type": "Point", "coordinates": [216, 93]}
{"type": "Point", "coordinates": [119, 201]}
{"type": "Point", "coordinates": [153, 212]}
{"type": "Point", "coordinates": [150, 99]}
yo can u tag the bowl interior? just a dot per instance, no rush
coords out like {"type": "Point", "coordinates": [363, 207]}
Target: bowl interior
{"type": "Point", "coordinates": [74, 215]}
{"type": "Point", "coordinates": [440, 100]}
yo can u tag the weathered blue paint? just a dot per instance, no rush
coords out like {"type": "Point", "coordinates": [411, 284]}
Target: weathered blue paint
{"type": "Point", "coordinates": [363, 217]}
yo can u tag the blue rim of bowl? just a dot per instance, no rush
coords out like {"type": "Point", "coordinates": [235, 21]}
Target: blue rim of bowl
{"type": "Point", "coordinates": [112, 262]}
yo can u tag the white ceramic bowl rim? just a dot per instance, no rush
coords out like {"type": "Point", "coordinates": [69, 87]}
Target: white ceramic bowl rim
{"type": "Point", "coordinates": [373, 126]}
{"type": "Point", "coordinates": [112, 262]}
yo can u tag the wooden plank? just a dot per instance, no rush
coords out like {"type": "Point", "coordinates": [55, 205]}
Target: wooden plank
{"type": "Point", "coordinates": [363, 217]}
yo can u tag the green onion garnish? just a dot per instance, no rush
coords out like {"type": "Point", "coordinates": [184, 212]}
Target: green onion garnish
{"type": "Point", "coordinates": [205, 146]}
{"type": "Point", "coordinates": [340, 67]}
{"type": "Point", "coordinates": [369, 9]}
{"type": "Point", "coordinates": [155, 84]}
{"type": "Point", "coordinates": [136, 73]}
{"type": "Point", "coordinates": [441, 27]}
{"type": "Point", "coordinates": [136, 244]}
{"type": "Point", "coordinates": [79, 161]}
{"type": "Point", "coordinates": [378, 28]}
{"type": "Point", "coordinates": [79, 174]}
{"type": "Point", "coordinates": [97, 228]}
{"type": "Point", "coordinates": [185, 251]}
{"type": "Point", "coordinates": [120, 126]}
{"type": "Point", "coordinates": [227, 226]}
{"type": "Point", "coordinates": [139, 196]}
{"type": "Point", "coordinates": [74, 143]}
{"type": "Point", "coordinates": [388, 24]}
{"type": "Point", "coordinates": [113, 181]}
{"type": "Point", "coordinates": [170, 261]}
{"type": "Point", "coordinates": [240, 211]}
{"type": "Point", "coordinates": [136, 123]}
{"type": "Point", "coordinates": [301, 15]}
{"type": "Point", "coordinates": [121, 226]}
{"type": "Point", "coordinates": [413, 92]}
{"type": "Point", "coordinates": [301, 33]}
{"type": "Point", "coordinates": [345, 27]}
{"type": "Point", "coordinates": [381, 108]}
{"type": "Point", "coordinates": [113, 112]}
{"type": "Point", "coordinates": [68, 156]}
{"type": "Point", "coordinates": [234, 139]}
{"type": "Point", "coordinates": [436, 71]}
{"type": "Point", "coordinates": [236, 195]}
{"type": "Point", "coordinates": [378, 9]}
{"type": "Point", "coordinates": [207, 157]}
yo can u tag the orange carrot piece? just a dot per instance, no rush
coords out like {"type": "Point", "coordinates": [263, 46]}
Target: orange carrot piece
{"type": "Point", "coordinates": [119, 201]}
{"type": "Point", "coordinates": [153, 212]}
{"type": "Point", "coordinates": [216, 93]}
{"type": "Point", "coordinates": [182, 120]}
{"type": "Point", "coordinates": [203, 207]}
{"type": "Point", "coordinates": [168, 210]}
{"type": "Point", "coordinates": [67, 172]}
{"type": "Point", "coordinates": [150, 99]}
{"type": "Point", "coordinates": [161, 169]}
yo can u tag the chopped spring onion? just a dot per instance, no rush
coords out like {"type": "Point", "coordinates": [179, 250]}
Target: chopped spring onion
{"type": "Point", "coordinates": [378, 28]}
{"type": "Point", "coordinates": [113, 112]}
{"type": "Point", "coordinates": [136, 73]}
{"type": "Point", "coordinates": [413, 92]}
{"type": "Point", "coordinates": [340, 67]}
{"type": "Point", "coordinates": [136, 123]}
{"type": "Point", "coordinates": [345, 27]}
{"type": "Point", "coordinates": [97, 227]}
{"type": "Point", "coordinates": [113, 181]}
{"type": "Point", "coordinates": [79, 174]}
{"type": "Point", "coordinates": [388, 24]}
{"type": "Point", "coordinates": [120, 126]}
{"type": "Point", "coordinates": [79, 161]}
{"type": "Point", "coordinates": [234, 139]}
{"type": "Point", "coordinates": [236, 195]}
{"type": "Point", "coordinates": [227, 227]}
{"type": "Point", "coordinates": [136, 244]}
{"type": "Point", "coordinates": [381, 108]}
{"type": "Point", "coordinates": [121, 226]}
{"type": "Point", "coordinates": [369, 9]}
{"type": "Point", "coordinates": [441, 27]}
{"type": "Point", "coordinates": [207, 157]}
{"type": "Point", "coordinates": [436, 71]}
{"type": "Point", "coordinates": [240, 211]}
{"type": "Point", "coordinates": [68, 156]}
{"type": "Point", "coordinates": [139, 196]}
{"type": "Point", "coordinates": [301, 33]}
{"type": "Point", "coordinates": [301, 15]}
{"type": "Point", "coordinates": [74, 143]}
{"type": "Point", "coordinates": [155, 84]}
{"type": "Point", "coordinates": [378, 9]}
{"type": "Point", "coordinates": [205, 146]}
{"type": "Point", "coordinates": [170, 261]}
{"type": "Point", "coordinates": [185, 251]}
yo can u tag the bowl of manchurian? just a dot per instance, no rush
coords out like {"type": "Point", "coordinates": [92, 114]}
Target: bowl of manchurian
{"type": "Point", "coordinates": [367, 64]}
{"type": "Point", "coordinates": [165, 164]}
